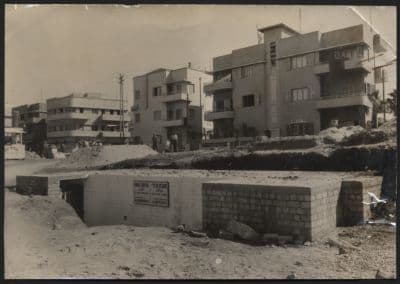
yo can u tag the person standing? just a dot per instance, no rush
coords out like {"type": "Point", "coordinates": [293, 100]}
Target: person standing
{"type": "Point", "coordinates": [154, 142]}
{"type": "Point", "coordinates": [174, 141]}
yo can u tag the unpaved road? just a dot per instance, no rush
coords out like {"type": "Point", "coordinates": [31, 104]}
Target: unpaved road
{"type": "Point", "coordinates": [12, 168]}
{"type": "Point", "coordinates": [44, 238]}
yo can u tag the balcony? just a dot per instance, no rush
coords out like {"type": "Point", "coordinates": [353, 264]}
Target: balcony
{"type": "Point", "coordinates": [224, 83]}
{"type": "Point", "coordinates": [358, 64]}
{"type": "Point", "coordinates": [321, 68]}
{"type": "Point", "coordinates": [173, 123]}
{"type": "Point", "coordinates": [84, 133]}
{"type": "Point", "coordinates": [114, 117]}
{"type": "Point", "coordinates": [69, 115]}
{"type": "Point", "coordinates": [175, 97]}
{"type": "Point", "coordinates": [214, 115]}
{"type": "Point", "coordinates": [344, 101]}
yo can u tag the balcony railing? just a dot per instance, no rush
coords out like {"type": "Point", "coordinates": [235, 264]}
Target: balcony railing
{"type": "Point", "coordinates": [358, 64]}
{"type": "Point", "coordinates": [213, 115]}
{"type": "Point", "coordinates": [173, 122]}
{"type": "Point", "coordinates": [114, 117]}
{"type": "Point", "coordinates": [321, 68]}
{"type": "Point", "coordinates": [221, 84]}
{"type": "Point", "coordinates": [69, 115]}
{"type": "Point", "coordinates": [336, 101]}
{"type": "Point", "coordinates": [182, 96]}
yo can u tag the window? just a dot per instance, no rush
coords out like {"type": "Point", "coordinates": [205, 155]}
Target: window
{"type": "Point", "coordinates": [81, 110]}
{"type": "Point", "coordinates": [272, 52]}
{"type": "Point", "coordinates": [178, 88]}
{"type": "Point", "coordinates": [191, 113]}
{"type": "Point", "coordinates": [157, 91]}
{"type": "Point", "coordinates": [170, 89]}
{"type": "Point", "coordinates": [219, 105]}
{"type": "Point", "coordinates": [178, 114]}
{"type": "Point", "coordinates": [95, 110]}
{"type": "Point", "coordinates": [103, 111]}
{"type": "Point", "coordinates": [248, 100]}
{"type": "Point", "coordinates": [137, 117]}
{"type": "Point", "coordinates": [111, 111]}
{"type": "Point", "coordinates": [118, 112]}
{"type": "Point", "coordinates": [170, 115]}
{"type": "Point", "coordinates": [94, 127]}
{"type": "Point", "coordinates": [157, 115]}
{"type": "Point", "coordinates": [137, 94]}
{"type": "Point", "coordinates": [246, 71]}
{"type": "Point", "coordinates": [298, 62]}
{"type": "Point", "coordinates": [300, 95]}
{"type": "Point", "coordinates": [61, 110]}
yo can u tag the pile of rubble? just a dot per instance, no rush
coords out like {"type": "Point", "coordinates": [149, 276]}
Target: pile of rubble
{"type": "Point", "coordinates": [32, 155]}
{"type": "Point", "coordinates": [99, 155]}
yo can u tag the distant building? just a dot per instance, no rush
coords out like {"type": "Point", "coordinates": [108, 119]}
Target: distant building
{"type": "Point", "coordinates": [87, 116]}
{"type": "Point", "coordinates": [32, 118]}
{"type": "Point", "coordinates": [8, 115]}
{"type": "Point", "coordinates": [295, 84]}
{"type": "Point", "coordinates": [168, 102]}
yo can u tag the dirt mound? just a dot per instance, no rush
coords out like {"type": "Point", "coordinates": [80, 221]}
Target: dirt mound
{"type": "Point", "coordinates": [96, 156]}
{"type": "Point", "coordinates": [52, 213]}
{"type": "Point", "coordinates": [365, 137]}
{"type": "Point", "coordinates": [335, 135]}
{"type": "Point", "coordinates": [31, 155]}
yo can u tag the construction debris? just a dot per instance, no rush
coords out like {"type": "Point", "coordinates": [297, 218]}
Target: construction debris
{"type": "Point", "coordinates": [341, 244]}
{"type": "Point", "coordinates": [242, 231]}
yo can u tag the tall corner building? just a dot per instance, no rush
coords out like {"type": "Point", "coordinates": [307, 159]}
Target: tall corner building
{"type": "Point", "coordinates": [295, 84]}
{"type": "Point", "coordinates": [86, 117]}
{"type": "Point", "coordinates": [167, 102]}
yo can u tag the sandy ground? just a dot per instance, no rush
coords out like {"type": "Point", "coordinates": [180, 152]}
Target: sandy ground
{"type": "Point", "coordinates": [45, 239]}
{"type": "Point", "coordinates": [24, 167]}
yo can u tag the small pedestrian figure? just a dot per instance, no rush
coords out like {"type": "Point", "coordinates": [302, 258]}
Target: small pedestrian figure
{"type": "Point", "coordinates": [174, 142]}
{"type": "Point", "coordinates": [155, 142]}
{"type": "Point", "coordinates": [167, 146]}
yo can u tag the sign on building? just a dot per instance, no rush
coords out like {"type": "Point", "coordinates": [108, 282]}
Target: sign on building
{"type": "Point", "coordinates": [153, 193]}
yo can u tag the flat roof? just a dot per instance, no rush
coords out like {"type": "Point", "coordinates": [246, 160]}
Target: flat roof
{"type": "Point", "coordinates": [280, 25]}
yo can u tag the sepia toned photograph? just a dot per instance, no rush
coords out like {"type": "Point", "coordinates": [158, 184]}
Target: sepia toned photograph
{"type": "Point", "coordinates": [200, 142]}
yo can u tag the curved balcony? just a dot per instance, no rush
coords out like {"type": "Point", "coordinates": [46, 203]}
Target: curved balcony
{"type": "Point", "coordinates": [69, 115]}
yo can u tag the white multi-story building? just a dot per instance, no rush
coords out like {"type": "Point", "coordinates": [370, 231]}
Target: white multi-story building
{"type": "Point", "coordinates": [167, 102]}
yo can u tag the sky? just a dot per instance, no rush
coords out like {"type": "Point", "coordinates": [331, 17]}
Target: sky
{"type": "Point", "coordinates": [55, 50]}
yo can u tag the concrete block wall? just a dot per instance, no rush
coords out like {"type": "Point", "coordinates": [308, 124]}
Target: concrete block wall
{"type": "Point", "coordinates": [353, 193]}
{"type": "Point", "coordinates": [267, 209]}
{"type": "Point", "coordinates": [43, 184]}
{"type": "Point", "coordinates": [35, 185]}
{"type": "Point", "coordinates": [324, 203]}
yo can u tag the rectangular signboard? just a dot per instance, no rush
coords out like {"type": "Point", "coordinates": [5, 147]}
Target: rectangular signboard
{"type": "Point", "coordinates": [153, 193]}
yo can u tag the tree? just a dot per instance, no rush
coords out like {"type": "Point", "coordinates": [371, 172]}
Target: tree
{"type": "Point", "coordinates": [377, 107]}
{"type": "Point", "coordinates": [391, 102]}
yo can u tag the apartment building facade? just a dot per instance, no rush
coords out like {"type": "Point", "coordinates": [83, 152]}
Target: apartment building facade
{"type": "Point", "coordinates": [295, 84]}
{"type": "Point", "coordinates": [86, 117]}
{"type": "Point", "coordinates": [8, 119]}
{"type": "Point", "coordinates": [167, 102]}
{"type": "Point", "coordinates": [33, 119]}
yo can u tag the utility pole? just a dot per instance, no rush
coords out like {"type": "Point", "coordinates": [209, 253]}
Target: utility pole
{"type": "Point", "coordinates": [383, 95]}
{"type": "Point", "coordinates": [121, 107]}
{"type": "Point", "coordinates": [201, 110]}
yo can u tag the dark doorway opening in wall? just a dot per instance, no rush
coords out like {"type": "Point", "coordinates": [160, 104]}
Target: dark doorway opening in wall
{"type": "Point", "coordinates": [72, 193]}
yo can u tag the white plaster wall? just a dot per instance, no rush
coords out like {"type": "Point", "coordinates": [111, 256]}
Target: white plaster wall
{"type": "Point", "coordinates": [109, 197]}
